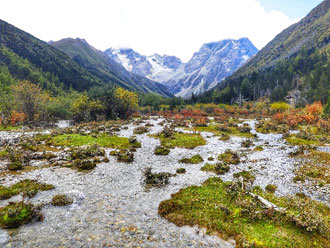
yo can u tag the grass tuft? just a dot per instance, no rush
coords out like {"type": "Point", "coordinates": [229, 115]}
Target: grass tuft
{"type": "Point", "coordinates": [196, 159]}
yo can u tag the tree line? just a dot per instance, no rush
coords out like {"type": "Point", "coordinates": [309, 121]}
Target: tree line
{"type": "Point", "coordinates": [25, 102]}
{"type": "Point", "coordinates": [308, 71]}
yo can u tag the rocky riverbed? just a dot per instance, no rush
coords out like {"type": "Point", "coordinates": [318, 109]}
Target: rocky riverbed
{"type": "Point", "coordinates": [113, 208]}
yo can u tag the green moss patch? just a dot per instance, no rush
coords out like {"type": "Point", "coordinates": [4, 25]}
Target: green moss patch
{"type": "Point", "coordinates": [226, 210]}
{"type": "Point", "coordinates": [229, 157]}
{"type": "Point", "coordinates": [271, 188]}
{"type": "Point", "coordinates": [61, 200]}
{"type": "Point", "coordinates": [125, 156]}
{"type": "Point", "coordinates": [258, 148]}
{"type": "Point", "coordinates": [160, 150]}
{"type": "Point", "coordinates": [218, 168]}
{"type": "Point", "coordinates": [226, 132]}
{"type": "Point", "coordinates": [247, 143]}
{"type": "Point", "coordinates": [156, 179]}
{"type": "Point", "coordinates": [16, 214]}
{"type": "Point", "coordinates": [9, 128]}
{"type": "Point", "coordinates": [86, 152]}
{"type": "Point", "coordinates": [182, 140]}
{"type": "Point", "coordinates": [3, 154]}
{"type": "Point", "coordinates": [28, 187]}
{"type": "Point", "coordinates": [181, 170]}
{"type": "Point", "coordinates": [293, 140]}
{"type": "Point", "coordinates": [141, 130]}
{"type": "Point", "coordinates": [103, 140]}
{"type": "Point", "coordinates": [196, 159]}
{"type": "Point", "coordinates": [247, 176]}
{"type": "Point", "coordinates": [315, 166]}
{"type": "Point", "coordinates": [83, 164]}
{"type": "Point", "coordinates": [268, 126]}
{"type": "Point", "coordinates": [14, 166]}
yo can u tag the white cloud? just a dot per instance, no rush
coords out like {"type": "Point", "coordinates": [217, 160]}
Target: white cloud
{"type": "Point", "coordinates": [174, 27]}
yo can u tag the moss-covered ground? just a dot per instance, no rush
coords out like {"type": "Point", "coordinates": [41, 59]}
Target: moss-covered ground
{"type": "Point", "coordinates": [316, 166]}
{"type": "Point", "coordinates": [231, 131]}
{"type": "Point", "coordinates": [218, 168]}
{"type": "Point", "coordinates": [16, 214]}
{"type": "Point", "coordinates": [294, 140]}
{"type": "Point", "coordinates": [196, 159]}
{"type": "Point", "coordinates": [229, 157]}
{"type": "Point", "coordinates": [103, 140]}
{"type": "Point", "coordinates": [28, 187]}
{"type": "Point", "coordinates": [9, 128]}
{"type": "Point", "coordinates": [226, 210]}
{"type": "Point", "coordinates": [182, 140]}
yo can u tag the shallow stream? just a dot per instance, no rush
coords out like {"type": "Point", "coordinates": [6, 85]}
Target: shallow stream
{"type": "Point", "coordinates": [112, 208]}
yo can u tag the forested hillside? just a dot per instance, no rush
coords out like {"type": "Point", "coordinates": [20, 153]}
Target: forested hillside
{"type": "Point", "coordinates": [24, 57]}
{"type": "Point", "coordinates": [98, 63]}
{"type": "Point", "coordinates": [27, 57]}
{"type": "Point", "coordinates": [295, 64]}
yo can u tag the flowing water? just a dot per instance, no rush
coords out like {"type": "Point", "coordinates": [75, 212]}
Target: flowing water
{"type": "Point", "coordinates": [112, 208]}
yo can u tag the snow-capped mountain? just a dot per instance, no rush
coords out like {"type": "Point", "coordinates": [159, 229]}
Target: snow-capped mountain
{"type": "Point", "coordinates": [208, 67]}
{"type": "Point", "coordinates": [211, 65]}
{"type": "Point", "coordinates": [156, 67]}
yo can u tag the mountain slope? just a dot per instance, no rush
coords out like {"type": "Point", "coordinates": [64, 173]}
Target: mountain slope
{"type": "Point", "coordinates": [293, 66]}
{"type": "Point", "coordinates": [155, 67]}
{"type": "Point", "coordinates": [312, 31]}
{"type": "Point", "coordinates": [27, 57]}
{"type": "Point", "coordinates": [22, 56]}
{"type": "Point", "coordinates": [99, 64]}
{"type": "Point", "coordinates": [209, 66]}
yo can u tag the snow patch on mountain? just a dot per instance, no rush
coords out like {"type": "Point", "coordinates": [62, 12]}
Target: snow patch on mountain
{"type": "Point", "coordinates": [208, 67]}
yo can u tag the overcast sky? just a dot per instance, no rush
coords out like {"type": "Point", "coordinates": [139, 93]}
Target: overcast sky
{"type": "Point", "coordinates": [173, 27]}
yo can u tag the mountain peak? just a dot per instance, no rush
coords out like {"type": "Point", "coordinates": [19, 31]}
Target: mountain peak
{"type": "Point", "coordinates": [209, 66]}
{"type": "Point", "coordinates": [105, 67]}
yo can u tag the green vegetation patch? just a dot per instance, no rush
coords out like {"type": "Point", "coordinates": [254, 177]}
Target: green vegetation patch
{"type": "Point", "coordinates": [9, 128]}
{"type": "Point", "coordinates": [229, 157]}
{"type": "Point", "coordinates": [61, 200]}
{"type": "Point", "coordinates": [28, 187]}
{"type": "Point", "coordinates": [316, 166]}
{"type": "Point", "coordinates": [247, 176]}
{"type": "Point", "coordinates": [141, 130]}
{"type": "Point", "coordinates": [16, 214]}
{"type": "Point", "coordinates": [83, 164]}
{"type": "Point", "coordinates": [196, 159]}
{"type": "Point", "coordinates": [103, 140]}
{"type": "Point", "coordinates": [293, 140]}
{"type": "Point", "coordinates": [258, 148]}
{"type": "Point", "coordinates": [247, 143]}
{"type": "Point", "coordinates": [125, 156]}
{"type": "Point", "coordinates": [181, 170]}
{"type": "Point", "coordinates": [156, 179]}
{"type": "Point", "coordinates": [161, 151]}
{"type": "Point", "coordinates": [218, 168]}
{"type": "Point", "coordinates": [269, 126]}
{"type": "Point", "coordinates": [14, 166]}
{"type": "Point", "coordinates": [224, 133]}
{"type": "Point", "coordinates": [3, 154]}
{"type": "Point", "coordinates": [182, 140]}
{"type": "Point", "coordinates": [271, 188]}
{"type": "Point", "coordinates": [223, 208]}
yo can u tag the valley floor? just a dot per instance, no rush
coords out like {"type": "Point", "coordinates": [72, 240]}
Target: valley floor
{"type": "Point", "coordinates": [113, 206]}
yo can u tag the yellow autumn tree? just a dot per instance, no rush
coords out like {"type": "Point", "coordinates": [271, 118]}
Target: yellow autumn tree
{"type": "Point", "coordinates": [127, 102]}
{"type": "Point", "coordinates": [86, 109]}
{"type": "Point", "coordinates": [29, 99]}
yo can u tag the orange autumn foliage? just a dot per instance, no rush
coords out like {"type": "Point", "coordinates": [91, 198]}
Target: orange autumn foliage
{"type": "Point", "coordinates": [17, 117]}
